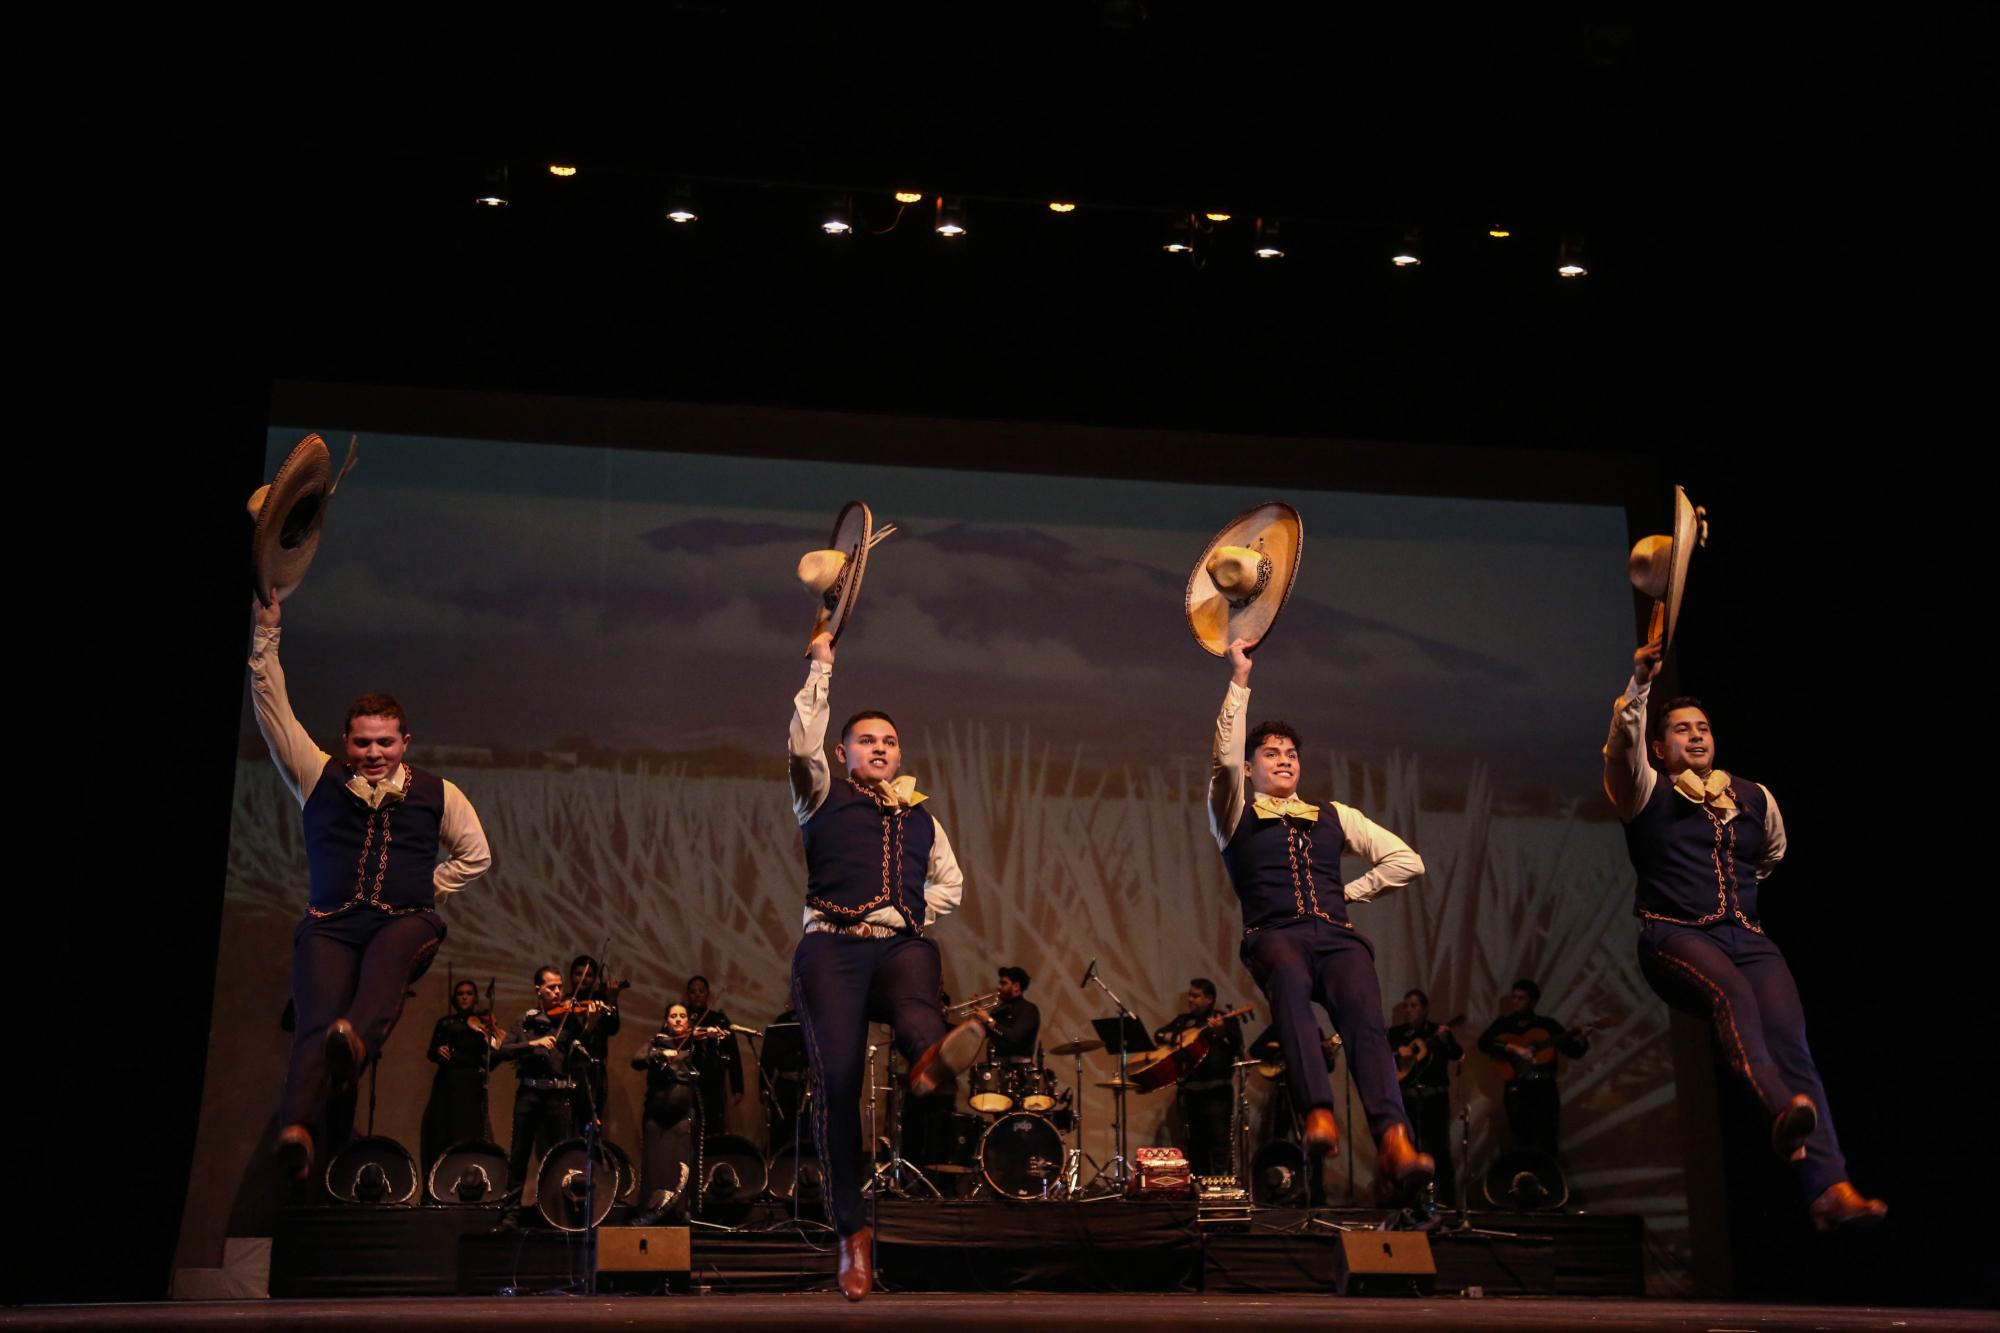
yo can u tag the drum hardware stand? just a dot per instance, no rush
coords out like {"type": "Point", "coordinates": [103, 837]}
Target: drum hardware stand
{"type": "Point", "coordinates": [888, 1177]}
{"type": "Point", "coordinates": [1115, 1174]}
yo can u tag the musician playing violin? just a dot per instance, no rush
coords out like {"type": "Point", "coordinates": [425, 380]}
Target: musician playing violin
{"type": "Point", "coordinates": [462, 1046]}
{"type": "Point", "coordinates": [671, 1167]}
{"type": "Point", "coordinates": [720, 1062]}
{"type": "Point", "coordinates": [597, 1024]}
{"type": "Point", "coordinates": [1207, 1090]}
{"type": "Point", "coordinates": [543, 1107]}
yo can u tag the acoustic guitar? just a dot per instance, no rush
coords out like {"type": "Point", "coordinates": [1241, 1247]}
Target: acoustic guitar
{"type": "Point", "coordinates": [1537, 1046]}
{"type": "Point", "coordinates": [1408, 1066]}
{"type": "Point", "coordinates": [1275, 1069]}
{"type": "Point", "coordinates": [1169, 1064]}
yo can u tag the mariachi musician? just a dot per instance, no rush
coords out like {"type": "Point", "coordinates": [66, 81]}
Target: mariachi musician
{"type": "Point", "coordinates": [1425, 1055]}
{"type": "Point", "coordinates": [1206, 1091]}
{"type": "Point", "coordinates": [462, 1046]}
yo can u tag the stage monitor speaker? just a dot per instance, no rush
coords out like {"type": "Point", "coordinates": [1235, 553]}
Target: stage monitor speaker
{"type": "Point", "coordinates": [644, 1250]}
{"type": "Point", "coordinates": [1386, 1263]}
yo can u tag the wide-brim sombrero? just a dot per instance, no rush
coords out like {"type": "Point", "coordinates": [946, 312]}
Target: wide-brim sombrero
{"type": "Point", "coordinates": [289, 515]}
{"type": "Point", "coordinates": [1659, 566]}
{"type": "Point", "coordinates": [834, 574]}
{"type": "Point", "coordinates": [1257, 556]}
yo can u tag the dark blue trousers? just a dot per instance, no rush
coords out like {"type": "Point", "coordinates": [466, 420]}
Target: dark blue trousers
{"type": "Point", "coordinates": [1737, 981]}
{"type": "Point", "coordinates": [1312, 961]}
{"type": "Point", "coordinates": [840, 984]}
{"type": "Point", "coordinates": [354, 965]}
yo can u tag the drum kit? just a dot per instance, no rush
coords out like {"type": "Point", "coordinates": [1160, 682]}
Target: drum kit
{"type": "Point", "coordinates": [1024, 1139]}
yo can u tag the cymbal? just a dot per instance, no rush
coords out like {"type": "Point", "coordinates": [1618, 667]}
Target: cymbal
{"type": "Point", "coordinates": [1115, 1084]}
{"type": "Point", "coordinates": [1077, 1046]}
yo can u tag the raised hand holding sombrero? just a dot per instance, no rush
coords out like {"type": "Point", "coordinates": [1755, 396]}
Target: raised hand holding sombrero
{"type": "Point", "coordinates": [833, 575]}
{"type": "Point", "coordinates": [1658, 567]}
{"type": "Point", "coordinates": [1244, 576]}
{"type": "Point", "coordinates": [289, 514]}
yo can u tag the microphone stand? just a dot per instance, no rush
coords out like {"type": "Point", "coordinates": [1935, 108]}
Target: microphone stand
{"type": "Point", "coordinates": [1118, 1171]}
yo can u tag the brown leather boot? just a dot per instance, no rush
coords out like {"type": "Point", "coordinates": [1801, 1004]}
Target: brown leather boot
{"type": "Point", "coordinates": [295, 1151]}
{"type": "Point", "coordinates": [1401, 1172]}
{"type": "Point", "coordinates": [1322, 1134]}
{"type": "Point", "coordinates": [948, 1057]}
{"type": "Point", "coordinates": [857, 1264]}
{"type": "Point", "coordinates": [344, 1056]}
{"type": "Point", "coordinates": [1842, 1205]}
{"type": "Point", "coordinates": [1793, 1126]}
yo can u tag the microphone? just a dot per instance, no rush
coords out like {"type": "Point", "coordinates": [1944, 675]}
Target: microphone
{"type": "Point", "coordinates": [748, 1032]}
{"type": "Point", "coordinates": [1088, 973]}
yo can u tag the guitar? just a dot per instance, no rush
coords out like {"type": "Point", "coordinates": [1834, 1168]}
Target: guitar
{"type": "Point", "coordinates": [1275, 1069]}
{"type": "Point", "coordinates": [1537, 1046]}
{"type": "Point", "coordinates": [1168, 1064]}
{"type": "Point", "coordinates": [1419, 1049]}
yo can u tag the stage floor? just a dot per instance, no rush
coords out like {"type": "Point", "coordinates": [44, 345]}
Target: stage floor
{"type": "Point", "coordinates": [999, 1312]}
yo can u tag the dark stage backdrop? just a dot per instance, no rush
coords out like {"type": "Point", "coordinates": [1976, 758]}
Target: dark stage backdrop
{"type": "Point", "coordinates": [600, 644]}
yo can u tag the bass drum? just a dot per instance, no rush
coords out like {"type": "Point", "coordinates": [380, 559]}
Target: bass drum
{"type": "Point", "coordinates": [1021, 1156]}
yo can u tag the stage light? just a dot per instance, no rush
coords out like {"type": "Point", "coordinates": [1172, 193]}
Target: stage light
{"type": "Point", "coordinates": [1218, 217]}
{"type": "Point", "coordinates": [493, 194]}
{"type": "Point", "coordinates": [1180, 237]}
{"type": "Point", "coordinates": [950, 217]}
{"type": "Point", "coordinates": [908, 196]}
{"type": "Point", "coordinates": [1570, 261]}
{"type": "Point", "coordinates": [681, 207]}
{"type": "Point", "coordinates": [1498, 232]}
{"type": "Point", "coordinates": [839, 219]}
{"type": "Point", "coordinates": [1407, 257]}
{"type": "Point", "coordinates": [1269, 244]}
{"type": "Point", "coordinates": [561, 169]}
{"type": "Point", "coordinates": [1061, 206]}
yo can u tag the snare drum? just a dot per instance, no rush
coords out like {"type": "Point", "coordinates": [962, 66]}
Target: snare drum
{"type": "Point", "coordinates": [992, 1088]}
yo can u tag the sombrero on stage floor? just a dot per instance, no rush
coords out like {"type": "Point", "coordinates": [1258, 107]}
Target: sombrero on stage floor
{"type": "Point", "coordinates": [289, 514]}
{"type": "Point", "coordinates": [1244, 576]}
{"type": "Point", "coordinates": [834, 574]}
{"type": "Point", "coordinates": [1658, 567]}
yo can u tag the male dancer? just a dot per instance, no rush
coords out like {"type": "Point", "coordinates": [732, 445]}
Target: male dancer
{"type": "Point", "coordinates": [1297, 940]}
{"type": "Point", "coordinates": [375, 827]}
{"type": "Point", "coordinates": [1702, 843]}
{"type": "Point", "coordinates": [879, 871]}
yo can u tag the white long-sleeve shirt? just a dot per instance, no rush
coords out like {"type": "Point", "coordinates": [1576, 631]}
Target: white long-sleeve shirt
{"type": "Point", "coordinates": [1629, 775]}
{"type": "Point", "coordinates": [302, 763]}
{"type": "Point", "coordinates": [812, 779]}
{"type": "Point", "coordinates": [1392, 864]}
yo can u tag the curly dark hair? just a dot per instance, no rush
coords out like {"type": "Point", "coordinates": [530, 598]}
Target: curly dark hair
{"type": "Point", "coordinates": [376, 705]}
{"type": "Point", "coordinates": [1257, 734]}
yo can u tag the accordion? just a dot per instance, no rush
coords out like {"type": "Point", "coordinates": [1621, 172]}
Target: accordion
{"type": "Point", "coordinates": [1163, 1174]}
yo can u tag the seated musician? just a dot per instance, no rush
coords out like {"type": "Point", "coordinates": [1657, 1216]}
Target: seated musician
{"type": "Point", "coordinates": [1206, 1091]}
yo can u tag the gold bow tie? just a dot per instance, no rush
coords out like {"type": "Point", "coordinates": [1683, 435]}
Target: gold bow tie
{"type": "Point", "coordinates": [375, 795]}
{"type": "Point", "coordinates": [902, 792]}
{"type": "Point", "coordinates": [1270, 807]}
{"type": "Point", "coordinates": [1714, 790]}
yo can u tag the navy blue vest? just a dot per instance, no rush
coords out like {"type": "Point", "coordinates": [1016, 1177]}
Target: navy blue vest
{"type": "Point", "coordinates": [377, 858]}
{"type": "Point", "coordinates": [1693, 868]}
{"type": "Point", "coordinates": [862, 855]}
{"type": "Point", "coordinates": [1272, 866]}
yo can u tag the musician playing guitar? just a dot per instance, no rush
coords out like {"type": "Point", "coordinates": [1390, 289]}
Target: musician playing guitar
{"type": "Point", "coordinates": [1207, 1088]}
{"type": "Point", "coordinates": [1527, 1043]}
{"type": "Point", "coordinates": [1425, 1054]}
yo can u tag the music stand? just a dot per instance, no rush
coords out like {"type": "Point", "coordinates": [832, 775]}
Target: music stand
{"type": "Point", "coordinates": [1124, 1036]}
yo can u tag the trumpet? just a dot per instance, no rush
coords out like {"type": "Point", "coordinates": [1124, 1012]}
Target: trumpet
{"type": "Point", "coordinates": [958, 1013]}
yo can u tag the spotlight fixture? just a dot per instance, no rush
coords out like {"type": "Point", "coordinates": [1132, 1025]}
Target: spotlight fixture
{"type": "Point", "coordinates": [1269, 244]}
{"type": "Point", "coordinates": [1570, 262]}
{"type": "Point", "coordinates": [839, 220]}
{"type": "Point", "coordinates": [908, 196]}
{"type": "Point", "coordinates": [681, 207]}
{"type": "Point", "coordinates": [1406, 256]}
{"type": "Point", "coordinates": [1498, 232]}
{"type": "Point", "coordinates": [493, 190]}
{"type": "Point", "coordinates": [950, 217]}
{"type": "Point", "coordinates": [1218, 217]}
{"type": "Point", "coordinates": [563, 169]}
{"type": "Point", "coordinates": [1180, 237]}
{"type": "Point", "coordinates": [1061, 206]}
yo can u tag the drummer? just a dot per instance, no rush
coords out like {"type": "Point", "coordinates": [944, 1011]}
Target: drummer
{"type": "Point", "coordinates": [1014, 1024]}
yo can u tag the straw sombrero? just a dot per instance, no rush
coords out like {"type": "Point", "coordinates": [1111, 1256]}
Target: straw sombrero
{"type": "Point", "coordinates": [1244, 576]}
{"type": "Point", "coordinates": [1658, 567]}
{"type": "Point", "coordinates": [289, 514]}
{"type": "Point", "coordinates": [834, 574]}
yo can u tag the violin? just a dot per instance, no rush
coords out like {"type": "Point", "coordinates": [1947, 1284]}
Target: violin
{"type": "Point", "coordinates": [581, 1008]}
{"type": "Point", "coordinates": [483, 1022]}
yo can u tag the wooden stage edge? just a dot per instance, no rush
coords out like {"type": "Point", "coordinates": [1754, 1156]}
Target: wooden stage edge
{"type": "Point", "coordinates": [1006, 1311]}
